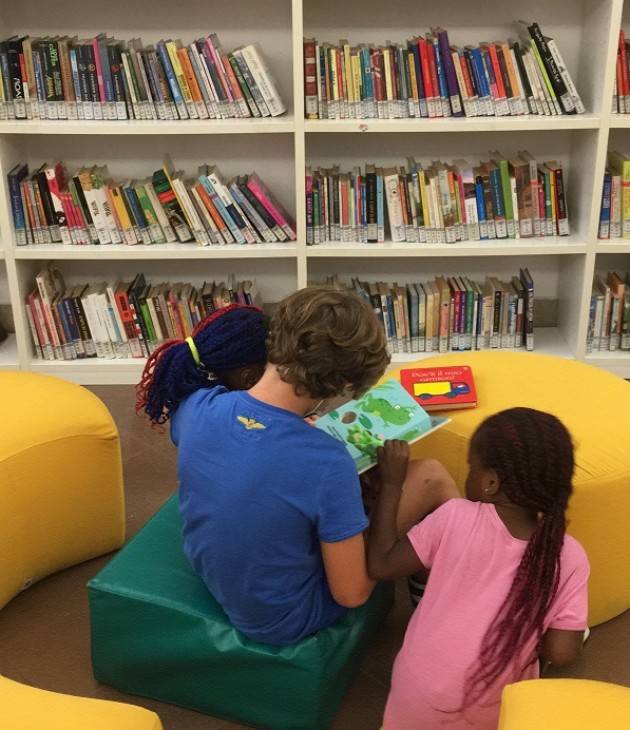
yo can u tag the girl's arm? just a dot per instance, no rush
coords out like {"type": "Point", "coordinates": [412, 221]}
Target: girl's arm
{"type": "Point", "coordinates": [388, 556]}
{"type": "Point", "coordinates": [561, 647]}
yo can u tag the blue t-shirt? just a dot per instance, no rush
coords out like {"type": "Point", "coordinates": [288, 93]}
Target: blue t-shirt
{"type": "Point", "coordinates": [259, 490]}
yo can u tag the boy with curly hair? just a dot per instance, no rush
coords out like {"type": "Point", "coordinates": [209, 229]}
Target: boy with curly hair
{"type": "Point", "coordinates": [272, 509]}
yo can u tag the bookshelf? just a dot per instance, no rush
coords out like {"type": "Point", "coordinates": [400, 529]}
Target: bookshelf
{"type": "Point", "coordinates": [279, 149]}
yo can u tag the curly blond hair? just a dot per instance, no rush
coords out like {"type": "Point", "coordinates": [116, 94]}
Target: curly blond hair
{"type": "Point", "coordinates": [324, 341]}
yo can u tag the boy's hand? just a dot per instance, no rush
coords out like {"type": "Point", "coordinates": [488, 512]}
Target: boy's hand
{"type": "Point", "coordinates": [393, 459]}
{"type": "Point", "coordinates": [311, 419]}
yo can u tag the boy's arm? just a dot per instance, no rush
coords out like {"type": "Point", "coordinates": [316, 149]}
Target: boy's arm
{"type": "Point", "coordinates": [561, 647]}
{"type": "Point", "coordinates": [389, 557]}
{"type": "Point", "coordinates": [346, 571]}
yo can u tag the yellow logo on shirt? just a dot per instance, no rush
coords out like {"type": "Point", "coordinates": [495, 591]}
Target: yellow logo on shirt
{"type": "Point", "coordinates": [250, 423]}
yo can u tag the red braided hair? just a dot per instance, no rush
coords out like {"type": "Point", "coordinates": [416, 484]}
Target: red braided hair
{"type": "Point", "coordinates": [228, 338]}
{"type": "Point", "coordinates": [532, 454]}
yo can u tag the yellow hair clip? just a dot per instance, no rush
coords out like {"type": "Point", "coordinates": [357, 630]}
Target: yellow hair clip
{"type": "Point", "coordinates": [194, 351]}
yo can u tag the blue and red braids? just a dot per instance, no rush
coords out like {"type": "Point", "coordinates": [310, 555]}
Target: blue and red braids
{"type": "Point", "coordinates": [230, 338]}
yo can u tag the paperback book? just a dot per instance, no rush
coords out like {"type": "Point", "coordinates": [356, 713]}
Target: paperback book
{"type": "Point", "coordinates": [105, 79]}
{"type": "Point", "coordinates": [386, 412]}
{"type": "Point", "coordinates": [452, 313]}
{"type": "Point", "coordinates": [502, 197]}
{"type": "Point", "coordinates": [86, 206]}
{"type": "Point", "coordinates": [427, 77]}
{"type": "Point", "coordinates": [122, 319]}
{"type": "Point", "coordinates": [609, 313]}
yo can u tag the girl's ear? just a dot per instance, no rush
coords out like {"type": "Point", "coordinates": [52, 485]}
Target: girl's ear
{"type": "Point", "coordinates": [490, 483]}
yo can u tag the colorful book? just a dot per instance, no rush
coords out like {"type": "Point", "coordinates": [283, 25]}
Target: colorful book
{"type": "Point", "coordinates": [385, 412]}
{"type": "Point", "coordinates": [441, 389]}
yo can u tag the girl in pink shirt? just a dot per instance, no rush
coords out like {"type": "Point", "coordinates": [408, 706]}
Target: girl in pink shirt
{"type": "Point", "coordinates": [506, 587]}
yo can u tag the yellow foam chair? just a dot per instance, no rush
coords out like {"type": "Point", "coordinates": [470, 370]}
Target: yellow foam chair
{"type": "Point", "coordinates": [565, 704]}
{"type": "Point", "coordinates": [61, 491]}
{"type": "Point", "coordinates": [592, 403]}
{"type": "Point", "coordinates": [27, 708]}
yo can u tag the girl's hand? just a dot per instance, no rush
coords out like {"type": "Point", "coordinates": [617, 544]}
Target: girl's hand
{"type": "Point", "coordinates": [393, 459]}
{"type": "Point", "coordinates": [311, 419]}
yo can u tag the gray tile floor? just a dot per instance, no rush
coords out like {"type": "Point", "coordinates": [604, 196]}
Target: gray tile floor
{"type": "Point", "coordinates": [44, 632]}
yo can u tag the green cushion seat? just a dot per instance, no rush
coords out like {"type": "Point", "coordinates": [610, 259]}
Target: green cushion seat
{"type": "Point", "coordinates": [157, 632]}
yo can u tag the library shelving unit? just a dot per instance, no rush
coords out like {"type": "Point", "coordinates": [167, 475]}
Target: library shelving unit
{"type": "Point", "coordinates": [279, 149]}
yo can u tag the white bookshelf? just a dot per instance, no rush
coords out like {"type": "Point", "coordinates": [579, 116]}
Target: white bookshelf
{"type": "Point", "coordinates": [280, 148]}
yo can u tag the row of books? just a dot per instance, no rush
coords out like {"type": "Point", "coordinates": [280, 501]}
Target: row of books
{"type": "Point", "coordinates": [453, 313]}
{"type": "Point", "coordinates": [122, 319]}
{"type": "Point", "coordinates": [614, 215]}
{"type": "Point", "coordinates": [428, 77]}
{"type": "Point", "coordinates": [503, 197]}
{"type": "Point", "coordinates": [103, 78]}
{"type": "Point", "coordinates": [621, 87]}
{"type": "Point", "coordinates": [609, 314]}
{"type": "Point", "coordinates": [88, 207]}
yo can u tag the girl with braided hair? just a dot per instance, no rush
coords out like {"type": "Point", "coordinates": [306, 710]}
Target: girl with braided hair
{"type": "Point", "coordinates": [226, 348]}
{"type": "Point", "coordinates": [507, 586]}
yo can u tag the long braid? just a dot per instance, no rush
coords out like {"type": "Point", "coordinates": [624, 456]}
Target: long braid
{"type": "Point", "coordinates": [532, 454]}
{"type": "Point", "coordinates": [229, 338]}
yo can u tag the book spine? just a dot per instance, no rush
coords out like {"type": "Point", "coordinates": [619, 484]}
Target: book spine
{"type": "Point", "coordinates": [555, 77]}
{"type": "Point", "coordinates": [604, 215]}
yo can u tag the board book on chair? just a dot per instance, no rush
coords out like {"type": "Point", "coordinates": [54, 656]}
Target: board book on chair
{"type": "Point", "coordinates": [441, 389]}
{"type": "Point", "coordinates": [385, 412]}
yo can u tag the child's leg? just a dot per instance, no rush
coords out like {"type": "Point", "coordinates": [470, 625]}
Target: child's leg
{"type": "Point", "coordinates": [427, 486]}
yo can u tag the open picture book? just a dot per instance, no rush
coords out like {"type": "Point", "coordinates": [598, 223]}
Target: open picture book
{"type": "Point", "coordinates": [384, 413]}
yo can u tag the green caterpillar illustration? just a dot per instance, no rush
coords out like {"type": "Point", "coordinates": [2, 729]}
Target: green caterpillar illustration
{"type": "Point", "coordinates": [394, 414]}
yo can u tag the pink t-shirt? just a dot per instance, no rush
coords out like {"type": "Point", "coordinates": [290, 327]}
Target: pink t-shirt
{"type": "Point", "coordinates": [473, 560]}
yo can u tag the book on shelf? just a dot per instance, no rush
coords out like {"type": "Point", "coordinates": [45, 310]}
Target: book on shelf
{"type": "Point", "coordinates": [452, 313]}
{"type": "Point", "coordinates": [621, 85]}
{"type": "Point", "coordinates": [385, 412]}
{"type": "Point", "coordinates": [614, 215]}
{"type": "Point", "coordinates": [103, 78]}
{"type": "Point", "coordinates": [87, 206]}
{"type": "Point", "coordinates": [427, 77]}
{"type": "Point", "coordinates": [123, 319]}
{"type": "Point", "coordinates": [441, 389]}
{"type": "Point", "coordinates": [499, 198]}
{"type": "Point", "coordinates": [609, 313]}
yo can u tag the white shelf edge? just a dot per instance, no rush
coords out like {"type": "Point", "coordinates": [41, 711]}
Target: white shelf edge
{"type": "Point", "coordinates": [460, 124]}
{"type": "Point", "coordinates": [620, 121]}
{"type": "Point", "coordinates": [276, 125]}
{"type": "Point", "coordinates": [92, 371]}
{"type": "Point", "coordinates": [472, 248]}
{"type": "Point", "coordinates": [155, 252]}
{"type": "Point", "coordinates": [616, 246]}
{"type": "Point", "coordinates": [9, 354]}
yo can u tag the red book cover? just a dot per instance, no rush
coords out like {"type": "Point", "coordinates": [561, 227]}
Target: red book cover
{"type": "Point", "coordinates": [426, 71]}
{"type": "Point", "coordinates": [624, 64]}
{"type": "Point", "coordinates": [441, 389]}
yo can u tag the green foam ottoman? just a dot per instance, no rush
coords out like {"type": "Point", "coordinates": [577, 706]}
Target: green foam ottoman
{"type": "Point", "coordinates": [157, 632]}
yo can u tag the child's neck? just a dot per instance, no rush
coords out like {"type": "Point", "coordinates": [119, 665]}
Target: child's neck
{"type": "Point", "coordinates": [520, 522]}
{"type": "Point", "coordinates": [271, 389]}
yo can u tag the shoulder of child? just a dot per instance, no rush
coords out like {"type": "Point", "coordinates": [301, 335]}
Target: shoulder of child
{"type": "Point", "coordinates": [573, 556]}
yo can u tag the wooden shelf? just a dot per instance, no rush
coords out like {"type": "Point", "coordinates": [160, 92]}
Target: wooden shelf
{"type": "Point", "coordinates": [563, 269]}
{"type": "Point", "coordinates": [168, 251]}
{"type": "Point", "coordinates": [520, 247]}
{"type": "Point", "coordinates": [274, 125]}
{"type": "Point", "coordinates": [523, 123]}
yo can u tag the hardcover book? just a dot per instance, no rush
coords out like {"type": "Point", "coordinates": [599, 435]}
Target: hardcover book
{"type": "Point", "coordinates": [441, 389]}
{"type": "Point", "coordinates": [384, 413]}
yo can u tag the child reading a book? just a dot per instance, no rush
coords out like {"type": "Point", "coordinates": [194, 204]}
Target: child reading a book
{"type": "Point", "coordinates": [227, 348]}
{"type": "Point", "coordinates": [273, 519]}
{"type": "Point", "coordinates": [506, 585]}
